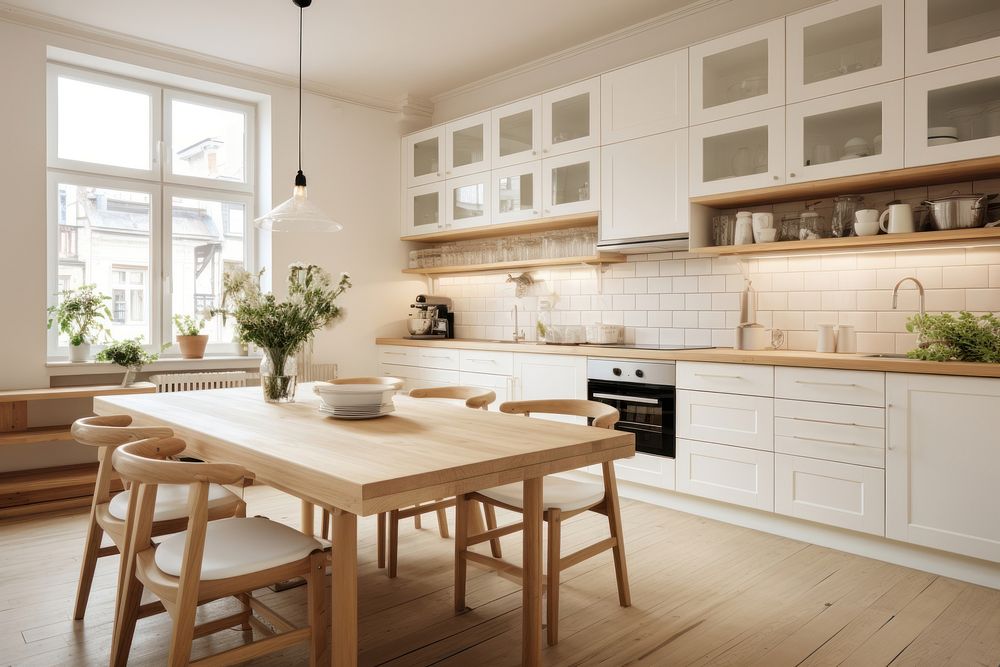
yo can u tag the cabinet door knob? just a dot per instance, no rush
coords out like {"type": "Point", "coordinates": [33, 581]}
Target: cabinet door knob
{"type": "Point", "coordinates": [791, 174]}
{"type": "Point", "coordinates": [439, 173]}
{"type": "Point", "coordinates": [534, 152]}
{"type": "Point", "coordinates": [534, 212]}
{"type": "Point", "coordinates": [776, 177]}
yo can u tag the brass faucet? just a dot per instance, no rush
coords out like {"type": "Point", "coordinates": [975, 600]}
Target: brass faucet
{"type": "Point", "coordinates": [518, 332]}
{"type": "Point", "coordinates": [920, 293]}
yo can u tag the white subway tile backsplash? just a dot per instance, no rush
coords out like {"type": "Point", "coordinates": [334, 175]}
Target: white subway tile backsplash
{"type": "Point", "coordinates": [671, 267]}
{"type": "Point", "coordinates": [805, 300]}
{"type": "Point", "coordinates": [697, 301]}
{"type": "Point", "coordinates": [965, 276]}
{"type": "Point", "coordinates": [647, 301]}
{"type": "Point", "coordinates": [635, 318]}
{"type": "Point", "coordinates": [982, 300]}
{"type": "Point", "coordinates": [698, 267]}
{"type": "Point", "coordinates": [788, 320]}
{"type": "Point", "coordinates": [660, 318]}
{"type": "Point", "coordinates": [793, 281]}
{"type": "Point", "coordinates": [635, 285]}
{"type": "Point", "coordinates": [686, 318]}
{"type": "Point", "coordinates": [712, 319]}
{"type": "Point", "coordinates": [671, 302]}
{"type": "Point", "coordinates": [947, 299]}
{"type": "Point", "coordinates": [646, 269]}
{"type": "Point", "coordinates": [685, 284]}
{"type": "Point", "coordinates": [624, 302]}
{"type": "Point", "coordinates": [772, 301]}
{"type": "Point", "coordinates": [659, 285]}
{"type": "Point", "coordinates": [820, 280]}
{"type": "Point", "coordinates": [995, 276]}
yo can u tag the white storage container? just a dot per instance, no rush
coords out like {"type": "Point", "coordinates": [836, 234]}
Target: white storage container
{"type": "Point", "coordinates": [605, 334]}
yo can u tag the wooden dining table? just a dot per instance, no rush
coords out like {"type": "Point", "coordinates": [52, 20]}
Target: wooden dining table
{"type": "Point", "coordinates": [423, 451]}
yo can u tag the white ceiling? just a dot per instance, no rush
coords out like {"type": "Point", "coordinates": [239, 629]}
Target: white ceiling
{"type": "Point", "coordinates": [384, 49]}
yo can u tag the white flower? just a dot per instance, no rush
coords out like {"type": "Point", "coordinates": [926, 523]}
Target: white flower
{"type": "Point", "coordinates": [206, 313]}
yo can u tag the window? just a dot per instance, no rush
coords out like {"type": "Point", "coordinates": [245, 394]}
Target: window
{"type": "Point", "coordinates": [154, 237]}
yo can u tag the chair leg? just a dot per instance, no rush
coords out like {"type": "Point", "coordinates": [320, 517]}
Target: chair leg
{"type": "Point", "coordinates": [308, 517]}
{"type": "Point", "coordinates": [380, 539]}
{"type": "Point", "coordinates": [462, 504]}
{"type": "Point", "coordinates": [442, 518]}
{"type": "Point", "coordinates": [126, 615]}
{"type": "Point", "coordinates": [491, 524]}
{"type": "Point", "coordinates": [247, 612]}
{"type": "Point", "coordinates": [615, 525]}
{"type": "Point", "coordinates": [241, 510]}
{"type": "Point", "coordinates": [316, 584]}
{"type": "Point", "coordinates": [552, 577]}
{"type": "Point", "coordinates": [393, 541]}
{"type": "Point", "coordinates": [324, 529]}
{"type": "Point", "coordinates": [93, 543]}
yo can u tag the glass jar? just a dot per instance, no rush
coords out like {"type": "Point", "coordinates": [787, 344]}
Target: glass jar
{"type": "Point", "coordinates": [278, 371]}
{"type": "Point", "coordinates": [844, 208]}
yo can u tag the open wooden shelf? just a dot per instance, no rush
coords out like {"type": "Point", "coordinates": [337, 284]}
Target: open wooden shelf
{"type": "Point", "coordinates": [888, 241]}
{"type": "Point", "coordinates": [592, 260]}
{"type": "Point", "coordinates": [505, 229]}
{"type": "Point", "coordinates": [24, 492]}
{"type": "Point", "coordinates": [948, 172]}
{"type": "Point", "coordinates": [35, 434]}
{"type": "Point", "coordinates": [54, 393]}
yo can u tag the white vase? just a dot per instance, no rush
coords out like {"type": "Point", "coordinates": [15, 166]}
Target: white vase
{"type": "Point", "coordinates": [78, 353]}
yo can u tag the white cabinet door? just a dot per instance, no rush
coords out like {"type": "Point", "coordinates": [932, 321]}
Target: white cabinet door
{"type": "Point", "coordinates": [646, 98]}
{"type": "Point", "coordinates": [945, 33]}
{"type": "Point", "coordinates": [545, 376]}
{"type": "Point", "coordinates": [843, 45]}
{"type": "Point", "coordinates": [753, 379]}
{"type": "Point", "coordinates": [730, 419]}
{"type": "Point", "coordinates": [517, 192]}
{"type": "Point", "coordinates": [468, 145]}
{"type": "Point", "coordinates": [829, 385]}
{"type": "Point", "coordinates": [423, 209]}
{"type": "Point", "coordinates": [738, 73]}
{"type": "Point", "coordinates": [467, 201]}
{"type": "Point", "coordinates": [644, 188]}
{"type": "Point", "coordinates": [964, 98]}
{"type": "Point", "coordinates": [730, 474]}
{"type": "Point", "coordinates": [655, 471]}
{"type": "Point", "coordinates": [739, 153]}
{"type": "Point", "coordinates": [517, 132]}
{"type": "Point", "coordinates": [571, 183]}
{"type": "Point", "coordinates": [571, 118]}
{"type": "Point", "coordinates": [837, 494]}
{"type": "Point", "coordinates": [423, 156]}
{"type": "Point", "coordinates": [942, 463]}
{"type": "Point", "coordinates": [501, 385]}
{"type": "Point", "coordinates": [822, 133]}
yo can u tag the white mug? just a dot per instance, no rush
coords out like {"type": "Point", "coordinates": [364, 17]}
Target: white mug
{"type": "Point", "coordinates": [866, 222]}
{"type": "Point", "coordinates": [900, 219]}
{"type": "Point", "coordinates": [826, 338]}
{"type": "Point", "coordinates": [847, 339]}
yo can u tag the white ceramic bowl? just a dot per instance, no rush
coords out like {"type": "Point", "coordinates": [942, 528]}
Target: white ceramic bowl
{"type": "Point", "coordinates": [343, 395]}
{"type": "Point", "coordinates": [766, 235]}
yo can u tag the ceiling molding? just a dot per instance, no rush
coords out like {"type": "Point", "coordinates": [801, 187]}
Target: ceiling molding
{"type": "Point", "coordinates": [56, 25]}
{"type": "Point", "coordinates": [678, 14]}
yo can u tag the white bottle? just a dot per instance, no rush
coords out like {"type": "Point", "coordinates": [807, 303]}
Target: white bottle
{"type": "Point", "coordinates": [826, 338]}
{"type": "Point", "coordinates": [744, 228]}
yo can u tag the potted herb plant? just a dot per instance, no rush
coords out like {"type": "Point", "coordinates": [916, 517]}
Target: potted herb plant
{"type": "Point", "coordinates": [129, 354]}
{"type": "Point", "coordinates": [189, 337]}
{"type": "Point", "coordinates": [80, 314]}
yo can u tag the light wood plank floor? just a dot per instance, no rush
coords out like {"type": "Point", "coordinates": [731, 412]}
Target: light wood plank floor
{"type": "Point", "coordinates": [703, 592]}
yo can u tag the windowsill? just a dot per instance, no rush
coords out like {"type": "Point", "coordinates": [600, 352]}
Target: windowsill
{"type": "Point", "coordinates": [213, 362]}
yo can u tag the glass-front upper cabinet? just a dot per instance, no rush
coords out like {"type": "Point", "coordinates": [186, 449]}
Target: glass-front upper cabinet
{"type": "Point", "coordinates": [468, 145]}
{"type": "Point", "coordinates": [423, 156]}
{"type": "Point", "coordinates": [739, 153]}
{"type": "Point", "coordinates": [953, 114]}
{"type": "Point", "coordinates": [571, 117]}
{"type": "Point", "coordinates": [468, 201]}
{"type": "Point", "coordinates": [423, 209]}
{"type": "Point", "coordinates": [738, 73]}
{"type": "Point", "coordinates": [856, 132]}
{"type": "Point", "coordinates": [571, 183]}
{"type": "Point", "coordinates": [842, 46]}
{"type": "Point", "coordinates": [517, 192]}
{"type": "Point", "coordinates": [945, 33]}
{"type": "Point", "coordinates": [517, 132]}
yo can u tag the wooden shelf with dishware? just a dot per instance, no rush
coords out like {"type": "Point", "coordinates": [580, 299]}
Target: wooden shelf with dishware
{"type": "Point", "coordinates": [508, 228]}
{"type": "Point", "coordinates": [590, 260]}
{"type": "Point", "coordinates": [887, 241]}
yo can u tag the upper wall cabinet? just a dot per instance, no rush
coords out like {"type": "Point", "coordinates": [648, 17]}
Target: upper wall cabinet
{"type": "Point", "coordinates": [645, 98]}
{"type": "Point", "coordinates": [571, 183]}
{"type": "Point", "coordinates": [423, 156]}
{"type": "Point", "coordinates": [953, 114]}
{"type": "Point", "coordinates": [739, 153]}
{"type": "Point", "coordinates": [843, 45]}
{"type": "Point", "coordinates": [517, 192]}
{"type": "Point", "coordinates": [517, 132]}
{"type": "Point", "coordinates": [468, 145]}
{"type": "Point", "coordinates": [739, 73]}
{"type": "Point", "coordinates": [944, 33]}
{"type": "Point", "coordinates": [468, 201]}
{"type": "Point", "coordinates": [571, 118]}
{"type": "Point", "coordinates": [423, 209]}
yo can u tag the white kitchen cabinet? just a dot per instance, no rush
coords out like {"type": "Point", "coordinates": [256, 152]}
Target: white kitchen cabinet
{"type": "Point", "coordinates": [424, 209]}
{"type": "Point", "coordinates": [424, 156]}
{"type": "Point", "coordinates": [486, 361]}
{"type": "Point", "coordinates": [468, 145]}
{"type": "Point", "coordinates": [837, 494]}
{"type": "Point", "coordinates": [738, 73]}
{"type": "Point", "coordinates": [517, 192]}
{"type": "Point", "coordinates": [546, 376]}
{"type": "Point", "coordinates": [419, 377]}
{"type": "Point", "coordinates": [739, 153]}
{"type": "Point", "coordinates": [829, 385]}
{"type": "Point", "coordinates": [655, 471]}
{"type": "Point", "coordinates": [467, 200]}
{"type": "Point", "coordinates": [501, 385]}
{"type": "Point", "coordinates": [843, 45]}
{"type": "Point", "coordinates": [752, 379]}
{"type": "Point", "coordinates": [571, 118]}
{"type": "Point", "coordinates": [965, 99]}
{"type": "Point", "coordinates": [945, 33]}
{"type": "Point", "coordinates": [856, 132]}
{"type": "Point", "coordinates": [730, 474]}
{"type": "Point", "coordinates": [644, 189]}
{"type": "Point", "coordinates": [646, 98]}
{"type": "Point", "coordinates": [942, 463]}
{"type": "Point", "coordinates": [571, 183]}
{"type": "Point", "coordinates": [729, 419]}
{"type": "Point", "coordinates": [516, 134]}
{"type": "Point", "coordinates": [829, 431]}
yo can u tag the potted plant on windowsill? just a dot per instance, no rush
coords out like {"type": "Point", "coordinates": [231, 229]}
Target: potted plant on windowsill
{"type": "Point", "coordinates": [80, 314]}
{"type": "Point", "coordinates": [189, 337]}
{"type": "Point", "coordinates": [130, 355]}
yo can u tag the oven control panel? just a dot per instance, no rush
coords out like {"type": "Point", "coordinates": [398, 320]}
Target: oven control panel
{"type": "Point", "coordinates": [630, 370]}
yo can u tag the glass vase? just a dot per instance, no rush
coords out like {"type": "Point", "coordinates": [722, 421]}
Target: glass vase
{"type": "Point", "coordinates": [277, 376]}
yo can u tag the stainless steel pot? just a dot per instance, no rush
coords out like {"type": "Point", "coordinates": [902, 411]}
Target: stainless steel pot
{"type": "Point", "coordinates": [956, 212]}
{"type": "Point", "coordinates": [419, 326]}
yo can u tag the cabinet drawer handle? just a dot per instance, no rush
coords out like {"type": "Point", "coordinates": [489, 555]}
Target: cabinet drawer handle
{"type": "Point", "coordinates": [719, 375]}
{"type": "Point", "coordinates": [827, 384]}
{"type": "Point", "coordinates": [830, 442]}
{"type": "Point", "coordinates": [483, 361]}
{"type": "Point", "coordinates": [395, 354]}
{"type": "Point", "coordinates": [819, 421]}
{"type": "Point", "coordinates": [622, 397]}
{"type": "Point", "coordinates": [435, 356]}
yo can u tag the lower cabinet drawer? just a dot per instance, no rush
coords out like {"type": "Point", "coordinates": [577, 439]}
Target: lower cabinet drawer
{"type": "Point", "coordinates": [728, 419]}
{"type": "Point", "coordinates": [436, 357]}
{"type": "Point", "coordinates": [837, 494]}
{"type": "Point", "coordinates": [730, 474]}
{"type": "Point", "coordinates": [845, 433]}
{"type": "Point", "coordinates": [485, 361]}
{"type": "Point", "coordinates": [657, 471]}
{"type": "Point", "coordinates": [830, 386]}
{"type": "Point", "coordinates": [501, 385]}
{"type": "Point", "coordinates": [415, 376]}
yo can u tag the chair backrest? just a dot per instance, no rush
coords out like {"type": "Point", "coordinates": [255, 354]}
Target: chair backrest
{"type": "Point", "coordinates": [474, 397]}
{"type": "Point", "coordinates": [169, 382]}
{"type": "Point", "coordinates": [604, 415]}
{"type": "Point", "coordinates": [107, 433]}
{"type": "Point", "coordinates": [395, 382]}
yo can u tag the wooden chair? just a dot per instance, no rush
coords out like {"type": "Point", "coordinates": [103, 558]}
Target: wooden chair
{"type": "Point", "coordinates": [108, 515]}
{"type": "Point", "coordinates": [561, 499]}
{"type": "Point", "coordinates": [210, 560]}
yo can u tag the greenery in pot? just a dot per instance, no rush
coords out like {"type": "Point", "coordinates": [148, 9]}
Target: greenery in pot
{"type": "Point", "coordinates": [189, 337]}
{"type": "Point", "coordinates": [945, 337]}
{"type": "Point", "coordinates": [129, 354]}
{"type": "Point", "coordinates": [188, 325]}
{"type": "Point", "coordinates": [80, 314]}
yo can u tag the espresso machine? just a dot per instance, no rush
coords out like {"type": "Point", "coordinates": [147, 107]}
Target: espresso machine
{"type": "Point", "coordinates": [431, 318]}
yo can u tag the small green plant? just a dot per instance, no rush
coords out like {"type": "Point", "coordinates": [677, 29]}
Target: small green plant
{"type": "Point", "coordinates": [128, 354]}
{"type": "Point", "coordinates": [80, 314]}
{"type": "Point", "coordinates": [945, 337]}
{"type": "Point", "coordinates": [188, 325]}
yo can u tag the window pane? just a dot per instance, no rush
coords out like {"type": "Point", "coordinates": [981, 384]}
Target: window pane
{"type": "Point", "coordinates": [104, 236]}
{"type": "Point", "coordinates": [207, 142]}
{"type": "Point", "coordinates": [103, 125]}
{"type": "Point", "coordinates": [203, 249]}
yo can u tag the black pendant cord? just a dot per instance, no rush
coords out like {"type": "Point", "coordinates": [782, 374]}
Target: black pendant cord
{"type": "Point", "coordinates": [301, 10]}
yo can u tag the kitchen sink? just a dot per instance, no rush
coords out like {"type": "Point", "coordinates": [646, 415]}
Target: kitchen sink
{"type": "Point", "coordinates": [887, 355]}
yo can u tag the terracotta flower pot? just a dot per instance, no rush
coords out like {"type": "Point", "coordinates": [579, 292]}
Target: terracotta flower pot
{"type": "Point", "coordinates": [192, 347]}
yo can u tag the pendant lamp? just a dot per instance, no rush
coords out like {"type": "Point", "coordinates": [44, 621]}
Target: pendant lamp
{"type": "Point", "coordinates": [298, 214]}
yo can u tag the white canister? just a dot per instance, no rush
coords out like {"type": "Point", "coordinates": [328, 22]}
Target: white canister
{"type": "Point", "coordinates": [847, 339]}
{"type": "Point", "coordinates": [826, 338]}
{"type": "Point", "coordinates": [756, 337]}
{"type": "Point", "coordinates": [744, 228]}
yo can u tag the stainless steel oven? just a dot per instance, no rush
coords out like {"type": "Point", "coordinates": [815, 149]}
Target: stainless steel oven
{"type": "Point", "coordinates": [643, 392]}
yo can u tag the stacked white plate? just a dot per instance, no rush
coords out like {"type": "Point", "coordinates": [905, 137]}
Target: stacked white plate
{"type": "Point", "coordinates": [355, 401]}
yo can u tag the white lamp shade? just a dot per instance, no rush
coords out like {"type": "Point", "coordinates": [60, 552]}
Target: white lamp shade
{"type": "Point", "coordinates": [297, 214]}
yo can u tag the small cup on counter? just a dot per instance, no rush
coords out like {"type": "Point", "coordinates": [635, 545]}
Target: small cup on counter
{"type": "Point", "coordinates": [847, 339]}
{"type": "Point", "coordinates": [826, 338]}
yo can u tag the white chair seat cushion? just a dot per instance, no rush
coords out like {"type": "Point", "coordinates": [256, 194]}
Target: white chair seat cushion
{"type": "Point", "coordinates": [237, 546]}
{"type": "Point", "coordinates": [558, 493]}
{"type": "Point", "coordinates": [171, 501]}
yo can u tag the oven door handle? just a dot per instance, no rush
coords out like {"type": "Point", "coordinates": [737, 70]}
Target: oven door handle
{"type": "Point", "coordinates": [623, 397]}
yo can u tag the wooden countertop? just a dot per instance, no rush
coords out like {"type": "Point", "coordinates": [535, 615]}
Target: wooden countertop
{"type": "Point", "coordinates": [805, 359]}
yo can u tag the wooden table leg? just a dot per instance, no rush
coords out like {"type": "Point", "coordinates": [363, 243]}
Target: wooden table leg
{"type": "Point", "coordinates": [308, 518]}
{"type": "Point", "coordinates": [344, 616]}
{"type": "Point", "coordinates": [531, 592]}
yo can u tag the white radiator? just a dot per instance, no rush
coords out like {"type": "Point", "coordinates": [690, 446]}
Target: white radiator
{"type": "Point", "coordinates": [317, 372]}
{"type": "Point", "coordinates": [197, 381]}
